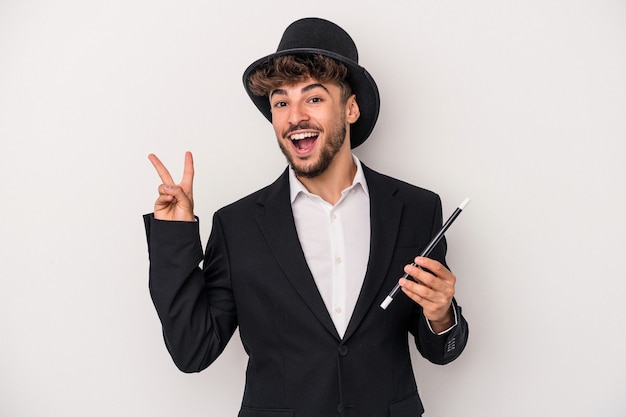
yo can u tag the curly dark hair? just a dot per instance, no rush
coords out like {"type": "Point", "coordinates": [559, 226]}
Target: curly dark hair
{"type": "Point", "coordinates": [292, 69]}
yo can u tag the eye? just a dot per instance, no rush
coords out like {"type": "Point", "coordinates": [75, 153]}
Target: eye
{"type": "Point", "coordinates": [279, 104]}
{"type": "Point", "coordinates": [315, 100]}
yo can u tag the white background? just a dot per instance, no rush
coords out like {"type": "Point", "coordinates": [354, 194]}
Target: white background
{"type": "Point", "coordinates": [520, 106]}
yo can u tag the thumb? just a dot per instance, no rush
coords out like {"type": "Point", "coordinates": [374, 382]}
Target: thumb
{"type": "Point", "coordinates": [183, 204]}
{"type": "Point", "coordinates": [177, 192]}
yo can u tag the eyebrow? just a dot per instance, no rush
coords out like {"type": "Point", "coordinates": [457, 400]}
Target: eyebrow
{"type": "Point", "coordinates": [304, 89]}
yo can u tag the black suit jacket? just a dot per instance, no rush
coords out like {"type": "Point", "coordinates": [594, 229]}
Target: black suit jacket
{"type": "Point", "coordinates": [255, 276]}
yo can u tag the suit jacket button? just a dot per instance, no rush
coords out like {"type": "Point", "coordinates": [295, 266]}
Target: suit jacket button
{"type": "Point", "coordinates": [343, 350]}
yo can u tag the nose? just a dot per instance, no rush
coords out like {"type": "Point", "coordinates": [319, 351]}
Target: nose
{"type": "Point", "coordinates": [297, 114]}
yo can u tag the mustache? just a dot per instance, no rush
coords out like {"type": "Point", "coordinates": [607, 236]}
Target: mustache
{"type": "Point", "coordinates": [301, 126]}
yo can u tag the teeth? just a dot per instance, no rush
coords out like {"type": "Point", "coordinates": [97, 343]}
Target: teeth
{"type": "Point", "coordinates": [301, 136]}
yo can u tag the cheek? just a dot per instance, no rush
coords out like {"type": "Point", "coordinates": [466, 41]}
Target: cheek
{"type": "Point", "coordinates": [276, 125]}
{"type": "Point", "coordinates": [279, 119]}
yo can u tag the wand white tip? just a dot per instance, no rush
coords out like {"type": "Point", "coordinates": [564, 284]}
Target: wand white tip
{"type": "Point", "coordinates": [464, 203]}
{"type": "Point", "coordinates": [386, 303]}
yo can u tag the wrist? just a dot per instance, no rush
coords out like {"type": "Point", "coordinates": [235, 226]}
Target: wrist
{"type": "Point", "coordinates": [443, 323]}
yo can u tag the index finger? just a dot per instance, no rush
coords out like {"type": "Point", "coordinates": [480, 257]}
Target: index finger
{"type": "Point", "coordinates": [188, 169]}
{"type": "Point", "coordinates": [435, 267]}
{"type": "Point", "coordinates": [164, 174]}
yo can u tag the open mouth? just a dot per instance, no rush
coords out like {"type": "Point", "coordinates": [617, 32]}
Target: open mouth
{"type": "Point", "coordinates": [304, 141]}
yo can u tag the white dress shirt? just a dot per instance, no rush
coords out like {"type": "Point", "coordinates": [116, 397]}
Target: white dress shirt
{"type": "Point", "coordinates": [336, 242]}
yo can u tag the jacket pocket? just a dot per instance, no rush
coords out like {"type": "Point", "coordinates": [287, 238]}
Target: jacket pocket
{"type": "Point", "coordinates": [408, 407]}
{"type": "Point", "coordinates": [264, 412]}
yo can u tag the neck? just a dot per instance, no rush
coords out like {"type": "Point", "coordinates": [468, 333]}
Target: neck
{"type": "Point", "coordinates": [338, 176]}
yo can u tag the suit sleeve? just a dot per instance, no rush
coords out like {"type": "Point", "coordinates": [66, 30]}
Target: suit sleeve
{"type": "Point", "coordinates": [195, 306]}
{"type": "Point", "coordinates": [444, 348]}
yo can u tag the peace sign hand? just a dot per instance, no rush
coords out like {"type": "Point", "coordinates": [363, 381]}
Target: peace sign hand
{"type": "Point", "coordinates": [175, 201]}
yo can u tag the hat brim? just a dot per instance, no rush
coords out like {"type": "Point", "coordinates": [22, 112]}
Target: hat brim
{"type": "Point", "coordinates": [361, 82]}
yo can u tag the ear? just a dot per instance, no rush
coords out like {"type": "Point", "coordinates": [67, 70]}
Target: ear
{"type": "Point", "coordinates": [352, 110]}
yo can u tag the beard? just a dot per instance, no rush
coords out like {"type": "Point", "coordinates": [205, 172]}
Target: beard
{"type": "Point", "coordinates": [334, 142]}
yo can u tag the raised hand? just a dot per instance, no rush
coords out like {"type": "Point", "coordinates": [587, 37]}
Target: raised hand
{"type": "Point", "coordinates": [175, 201]}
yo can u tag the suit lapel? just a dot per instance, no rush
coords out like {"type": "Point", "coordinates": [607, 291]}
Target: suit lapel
{"type": "Point", "coordinates": [385, 211]}
{"type": "Point", "coordinates": [275, 219]}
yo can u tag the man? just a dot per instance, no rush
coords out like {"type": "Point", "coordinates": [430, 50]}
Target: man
{"type": "Point", "coordinates": [302, 265]}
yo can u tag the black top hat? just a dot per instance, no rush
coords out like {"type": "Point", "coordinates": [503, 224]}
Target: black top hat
{"type": "Point", "coordinates": [314, 36]}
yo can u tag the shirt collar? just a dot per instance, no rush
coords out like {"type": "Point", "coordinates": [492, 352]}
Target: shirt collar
{"type": "Point", "coordinates": [296, 187]}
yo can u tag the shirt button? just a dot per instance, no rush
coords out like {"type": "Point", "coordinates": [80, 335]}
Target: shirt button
{"type": "Point", "coordinates": [338, 260]}
{"type": "Point", "coordinates": [338, 310]}
{"type": "Point", "coordinates": [333, 216]}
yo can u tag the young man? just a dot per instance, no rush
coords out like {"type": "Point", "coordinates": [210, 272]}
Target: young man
{"type": "Point", "coordinates": [302, 265]}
